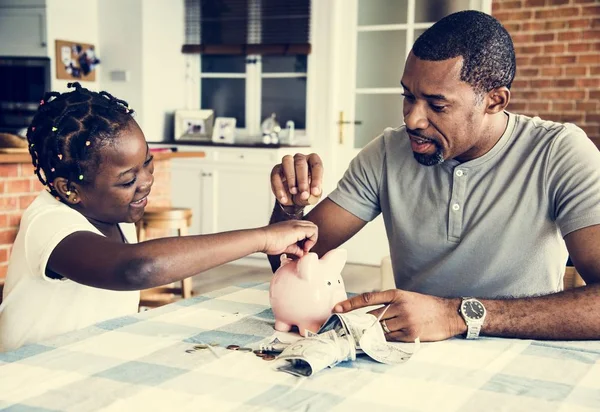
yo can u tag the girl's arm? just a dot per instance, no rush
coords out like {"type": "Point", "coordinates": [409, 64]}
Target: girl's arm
{"type": "Point", "coordinates": [97, 261]}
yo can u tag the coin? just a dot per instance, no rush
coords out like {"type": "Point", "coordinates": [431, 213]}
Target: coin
{"type": "Point", "coordinates": [268, 357]}
{"type": "Point", "coordinates": [233, 347]}
{"type": "Point", "coordinates": [201, 346]}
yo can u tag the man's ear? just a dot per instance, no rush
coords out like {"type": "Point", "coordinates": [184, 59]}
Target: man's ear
{"type": "Point", "coordinates": [497, 99]}
{"type": "Point", "coordinates": [66, 190]}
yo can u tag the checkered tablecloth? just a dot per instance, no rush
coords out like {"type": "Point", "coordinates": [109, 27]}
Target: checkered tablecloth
{"type": "Point", "coordinates": [140, 363]}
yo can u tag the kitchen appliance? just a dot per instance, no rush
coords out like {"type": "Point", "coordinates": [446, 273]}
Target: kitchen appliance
{"type": "Point", "coordinates": [23, 82]}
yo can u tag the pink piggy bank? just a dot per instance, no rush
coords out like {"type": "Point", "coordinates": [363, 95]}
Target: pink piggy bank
{"type": "Point", "coordinates": [303, 292]}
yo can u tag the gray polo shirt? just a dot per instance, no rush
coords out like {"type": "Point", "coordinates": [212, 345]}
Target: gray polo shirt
{"type": "Point", "coordinates": [489, 227]}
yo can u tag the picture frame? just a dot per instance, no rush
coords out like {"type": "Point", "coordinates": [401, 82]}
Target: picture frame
{"type": "Point", "coordinates": [224, 130]}
{"type": "Point", "coordinates": [193, 124]}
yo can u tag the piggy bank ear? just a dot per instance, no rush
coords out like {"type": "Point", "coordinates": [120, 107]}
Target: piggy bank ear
{"type": "Point", "coordinates": [336, 258]}
{"type": "Point", "coordinates": [307, 265]}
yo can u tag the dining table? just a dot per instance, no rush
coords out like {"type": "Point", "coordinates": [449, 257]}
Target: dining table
{"type": "Point", "coordinates": [181, 357]}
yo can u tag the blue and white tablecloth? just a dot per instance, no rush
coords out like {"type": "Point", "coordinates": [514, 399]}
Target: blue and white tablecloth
{"type": "Point", "coordinates": [140, 363]}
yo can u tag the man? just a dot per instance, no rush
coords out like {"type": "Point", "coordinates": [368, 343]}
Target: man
{"type": "Point", "coordinates": [477, 202]}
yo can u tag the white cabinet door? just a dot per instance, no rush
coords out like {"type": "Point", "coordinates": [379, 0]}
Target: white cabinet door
{"type": "Point", "coordinates": [23, 31]}
{"type": "Point", "coordinates": [186, 191]}
{"type": "Point", "coordinates": [242, 197]}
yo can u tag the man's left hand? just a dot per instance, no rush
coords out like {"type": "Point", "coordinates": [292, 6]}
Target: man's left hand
{"type": "Point", "coordinates": [411, 315]}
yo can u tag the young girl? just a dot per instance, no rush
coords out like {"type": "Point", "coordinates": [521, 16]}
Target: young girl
{"type": "Point", "coordinates": [76, 260]}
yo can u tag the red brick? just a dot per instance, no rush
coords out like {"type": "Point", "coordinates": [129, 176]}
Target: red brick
{"type": "Point", "coordinates": [3, 270]}
{"type": "Point", "coordinates": [36, 185]}
{"type": "Point", "coordinates": [586, 106]}
{"type": "Point", "coordinates": [527, 72]}
{"type": "Point", "coordinates": [589, 58]}
{"type": "Point", "coordinates": [3, 255]}
{"type": "Point", "coordinates": [542, 84]}
{"type": "Point", "coordinates": [542, 60]}
{"type": "Point", "coordinates": [554, 48]}
{"type": "Point", "coordinates": [565, 59]}
{"type": "Point", "coordinates": [8, 203]}
{"type": "Point", "coordinates": [584, 82]}
{"type": "Point", "coordinates": [579, 47]}
{"type": "Point", "coordinates": [557, 2]}
{"type": "Point", "coordinates": [561, 12]}
{"type": "Point", "coordinates": [9, 170]}
{"type": "Point", "coordinates": [538, 106]}
{"type": "Point", "coordinates": [592, 118]}
{"type": "Point", "coordinates": [25, 201]}
{"type": "Point", "coordinates": [517, 106]}
{"type": "Point", "coordinates": [543, 37]}
{"type": "Point", "coordinates": [522, 38]}
{"type": "Point", "coordinates": [535, 3]}
{"type": "Point", "coordinates": [594, 71]}
{"type": "Point", "coordinates": [570, 36]}
{"type": "Point", "coordinates": [512, 27]}
{"type": "Point", "coordinates": [595, 23]}
{"type": "Point", "coordinates": [514, 15]}
{"type": "Point", "coordinates": [563, 106]}
{"type": "Point", "coordinates": [591, 34]}
{"type": "Point", "coordinates": [555, 24]}
{"type": "Point", "coordinates": [520, 84]}
{"type": "Point", "coordinates": [564, 82]}
{"type": "Point", "coordinates": [563, 94]}
{"type": "Point", "coordinates": [591, 10]}
{"type": "Point", "coordinates": [14, 220]}
{"type": "Point", "coordinates": [3, 221]}
{"type": "Point", "coordinates": [575, 70]}
{"type": "Point", "coordinates": [527, 94]}
{"type": "Point", "coordinates": [7, 236]}
{"type": "Point", "coordinates": [584, 1]}
{"type": "Point", "coordinates": [528, 26]}
{"type": "Point", "coordinates": [576, 118]}
{"type": "Point", "coordinates": [523, 61]}
{"type": "Point", "coordinates": [507, 5]}
{"type": "Point", "coordinates": [18, 186]}
{"type": "Point", "coordinates": [594, 94]}
{"type": "Point", "coordinates": [580, 24]}
{"type": "Point", "coordinates": [552, 71]}
{"type": "Point", "coordinates": [528, 49]}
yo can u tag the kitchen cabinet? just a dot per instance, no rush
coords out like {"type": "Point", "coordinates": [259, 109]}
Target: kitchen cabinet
{"type": "Point", "coordinates": [227, 190]}
{"type": "Point", "coordinates": [25, 27]}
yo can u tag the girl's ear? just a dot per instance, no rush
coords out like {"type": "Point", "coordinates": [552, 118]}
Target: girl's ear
{"type": "Point", "coordinates": [497, 100]}
{"type": "Point", "coordinates": [67, 191]}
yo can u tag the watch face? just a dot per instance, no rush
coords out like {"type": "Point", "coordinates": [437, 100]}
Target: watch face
{"type": "Point", "coordinates": [473, 309]}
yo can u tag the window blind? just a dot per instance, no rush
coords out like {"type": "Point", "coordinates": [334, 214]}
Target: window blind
{"type": "Point", "coordinates": [275, 27]}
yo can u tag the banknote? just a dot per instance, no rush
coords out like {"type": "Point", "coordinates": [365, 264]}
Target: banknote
{"type": "Point", "coordinates": [341, 338]}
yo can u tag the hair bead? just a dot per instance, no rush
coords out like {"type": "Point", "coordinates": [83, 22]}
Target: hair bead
{"type": "Point", "coordinates": [80, 177]}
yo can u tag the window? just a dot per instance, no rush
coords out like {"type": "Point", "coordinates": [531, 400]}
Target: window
{"type": "Point", "coordinates": [253, 60]}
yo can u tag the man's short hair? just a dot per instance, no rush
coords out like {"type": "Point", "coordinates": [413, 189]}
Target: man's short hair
{"type": "Point", "coordinates": [484, 44]}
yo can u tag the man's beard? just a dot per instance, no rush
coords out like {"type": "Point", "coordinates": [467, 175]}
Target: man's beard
{"type": "Point", "coordinates": [431, 159]}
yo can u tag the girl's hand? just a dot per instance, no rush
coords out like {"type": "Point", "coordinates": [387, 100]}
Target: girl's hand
{"type": "Point", "coordinates": [292, 237]}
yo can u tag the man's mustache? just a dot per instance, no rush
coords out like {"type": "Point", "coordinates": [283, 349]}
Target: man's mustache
{"type": "Point", "coordinates": [419, 134]}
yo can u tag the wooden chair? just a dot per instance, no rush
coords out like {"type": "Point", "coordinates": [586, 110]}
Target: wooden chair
{"type": "Point", "coordinates": [165, 218]}
{"type": "Point", "coordinates": [572, 279]}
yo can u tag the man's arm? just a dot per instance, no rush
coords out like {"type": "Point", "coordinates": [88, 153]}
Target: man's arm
{"type": "Point", "coordinates": [336, 225]}
{"type": "Point", "coordinates": [567, 315]}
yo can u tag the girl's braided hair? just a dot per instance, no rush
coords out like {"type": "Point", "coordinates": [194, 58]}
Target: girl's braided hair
{"type": "Point", "coordinates": [68, 130]}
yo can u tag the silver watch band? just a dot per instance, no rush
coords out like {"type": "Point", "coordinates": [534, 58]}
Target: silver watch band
{"type": "Point", "coordinates": [473, 331]}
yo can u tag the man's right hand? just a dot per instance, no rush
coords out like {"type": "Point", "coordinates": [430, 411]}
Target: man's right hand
{"type": "Point", "coordinates": [295, 179]}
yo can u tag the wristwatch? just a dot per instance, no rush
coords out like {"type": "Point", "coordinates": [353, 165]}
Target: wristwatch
{"type": "Point", "coordinates": [473, 312]}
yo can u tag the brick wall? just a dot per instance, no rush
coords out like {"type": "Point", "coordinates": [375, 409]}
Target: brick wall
{"type": "Point", "coordinates": [19, 187]}
{"type": "Point", "coordinates": [557, 43]}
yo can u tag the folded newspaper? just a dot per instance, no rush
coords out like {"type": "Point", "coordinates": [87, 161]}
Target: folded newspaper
{"type": "Point", "coordinates": [341, 338]}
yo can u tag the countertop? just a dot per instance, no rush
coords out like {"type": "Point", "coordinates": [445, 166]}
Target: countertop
{"type": "Point", "coordinates": [22, 156]}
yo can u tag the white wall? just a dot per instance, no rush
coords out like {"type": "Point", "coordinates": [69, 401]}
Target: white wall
{"type": "Point", "coordinates": [73, 20]}
{"type": "Point", "coordinates": [120, 37]}
{"type": "Point", "coordinates": [143, 39]}
{"type": "Point", "coordinates": [163, 64]}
